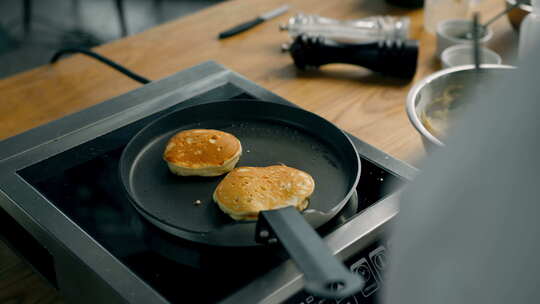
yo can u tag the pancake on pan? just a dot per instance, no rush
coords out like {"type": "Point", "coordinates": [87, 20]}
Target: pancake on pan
{"type": "Point", "coordinates": [202, 152]}
{"type": "Point", "coordinates": [246, 191]}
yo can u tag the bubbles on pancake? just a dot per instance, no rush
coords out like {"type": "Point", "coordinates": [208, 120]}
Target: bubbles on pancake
{"type": "Point", "coordinates": [253, 189]}
{"type": "Point", "coordinates": [195, 152]}
{"type": "Point", "coordinates": [285, 186]}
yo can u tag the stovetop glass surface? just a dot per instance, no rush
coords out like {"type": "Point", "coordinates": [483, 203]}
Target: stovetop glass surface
{"type": "Point", "coordinates": [84, 184]}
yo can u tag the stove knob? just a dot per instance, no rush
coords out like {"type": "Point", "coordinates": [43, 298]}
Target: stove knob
{"type": "Point", "coordinates": [380, 261]}
{"type": "Point", "coordinates": [378, 258]}
{"type": "Point", "coordinates": [363, 270]}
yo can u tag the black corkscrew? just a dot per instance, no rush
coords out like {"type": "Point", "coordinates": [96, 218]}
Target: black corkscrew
{"type": "Point", "coordinates": [390, 57]}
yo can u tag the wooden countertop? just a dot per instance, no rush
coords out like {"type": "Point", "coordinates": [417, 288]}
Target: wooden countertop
{"type": "Point", "coordinates": [368, 105]}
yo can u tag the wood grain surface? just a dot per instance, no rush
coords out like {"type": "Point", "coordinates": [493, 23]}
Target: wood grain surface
{"type": "Point", "coordinates": [368, 105]}
{"type": "Point", "coordinates": [19, 284]}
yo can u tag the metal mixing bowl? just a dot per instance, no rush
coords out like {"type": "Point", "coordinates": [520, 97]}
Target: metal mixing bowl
{"type": "Point", "coordinates": [517, 15]}
{"type": "Point", "coordinates": [428, 89]}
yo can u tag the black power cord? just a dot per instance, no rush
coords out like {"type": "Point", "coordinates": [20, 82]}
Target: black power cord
{"type": "Point", "coordinates": [104, 60]}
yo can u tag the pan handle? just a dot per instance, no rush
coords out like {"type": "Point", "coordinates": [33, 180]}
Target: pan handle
{"type": "Point", "coordinates": [324, 275]}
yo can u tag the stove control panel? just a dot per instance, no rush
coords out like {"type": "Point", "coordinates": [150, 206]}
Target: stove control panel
{"type": "Point", "coordinates": [370, 264]}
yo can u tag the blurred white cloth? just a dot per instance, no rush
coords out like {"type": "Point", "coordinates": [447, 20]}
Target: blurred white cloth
{"type": "Point", "coordinates": [469, 225]}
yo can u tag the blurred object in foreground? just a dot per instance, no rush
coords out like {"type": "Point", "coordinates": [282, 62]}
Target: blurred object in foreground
{"type": "Point", "coordinates": [467, 229]}
{"type": "Point", "coordinates": [367, 29]}
{"type": "Point", "coordinates": [529, 33]}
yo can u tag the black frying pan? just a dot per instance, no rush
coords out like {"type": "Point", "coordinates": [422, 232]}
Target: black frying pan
{"type": "Point", "coordinates": [270, 134]}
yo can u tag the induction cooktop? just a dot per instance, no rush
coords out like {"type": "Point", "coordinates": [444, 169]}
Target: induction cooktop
{"type": "Point", "coordinates": [62, 208]}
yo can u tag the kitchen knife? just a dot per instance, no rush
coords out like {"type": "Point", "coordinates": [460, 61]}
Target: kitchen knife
{"type": "Point", "coordinates": [249, 24]}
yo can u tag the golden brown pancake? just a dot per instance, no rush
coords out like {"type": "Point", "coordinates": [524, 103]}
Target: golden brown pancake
{"type": "Point", "coordinates": [202, 152]}
{"type": "Point", "coordinates": [246, 191]}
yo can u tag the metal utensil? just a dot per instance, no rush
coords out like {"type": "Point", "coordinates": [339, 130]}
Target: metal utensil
{"type": "Point", "coordinates": [251, 23]}
{"type": "Point", "coordinates": [468, 35]}
{"type": "Point", "coordinates": [476, 43]}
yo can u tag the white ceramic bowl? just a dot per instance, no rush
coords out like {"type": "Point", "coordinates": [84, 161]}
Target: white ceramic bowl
{"type": "Point", "coordinates": [458, 55]}
{"type": "Point", "coordinates": [449, 32]}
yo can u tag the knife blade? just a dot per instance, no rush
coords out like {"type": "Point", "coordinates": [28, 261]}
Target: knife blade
{"type": "Point", "coordinates": [251, 23]}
